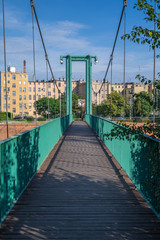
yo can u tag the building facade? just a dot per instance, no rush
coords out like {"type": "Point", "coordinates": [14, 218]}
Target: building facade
{"type": "Point", "coordinates": [17, 92]}
{"type": "Point", "coordinates": [41, 89]}
{"type": "Point", "coordinates": [23, 93]}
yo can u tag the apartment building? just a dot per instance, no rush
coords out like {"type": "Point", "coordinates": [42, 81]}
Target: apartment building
{"type": "Point", "coordinates": [41, 89]}
{"type": "Point", "coordinates": [17, 91]}
{"type": "Point", "coordinates": [23, 93]}
{"type": "Point", "coordinates": [96, 87]}
{"type": "Point", "coordinates": [99, 94]}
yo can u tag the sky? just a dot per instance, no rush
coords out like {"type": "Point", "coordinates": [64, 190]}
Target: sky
{"type": "Point", "coordinates": [76, 28]}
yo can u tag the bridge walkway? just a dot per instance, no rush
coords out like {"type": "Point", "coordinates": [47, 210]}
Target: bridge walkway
{"type": "Point", "coordinates": [80, 193]}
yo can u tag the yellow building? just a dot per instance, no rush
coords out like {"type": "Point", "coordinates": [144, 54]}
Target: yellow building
{"type": "Point", "coordinates": [40, 89]}
{"type": "Point", "coordinates": [17, 91]}
{"type": "Point", "coordinates": [97, 98]}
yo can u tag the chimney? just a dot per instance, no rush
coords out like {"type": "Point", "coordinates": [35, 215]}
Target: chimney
{"type": "Point", "coordinates": [24, 66]}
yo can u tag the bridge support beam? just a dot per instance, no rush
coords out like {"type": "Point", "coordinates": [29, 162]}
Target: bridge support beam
{"type": "Point", "coordinates": [88, 60]}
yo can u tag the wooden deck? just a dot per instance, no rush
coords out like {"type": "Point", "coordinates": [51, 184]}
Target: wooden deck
{"type": "Point", "coordinates": [81, 194]}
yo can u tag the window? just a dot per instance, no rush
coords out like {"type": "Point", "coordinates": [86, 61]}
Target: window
{"type": "Point", "coordinates": [20, 89]}
{"type": "Point", "coordinates": [4, 106]}
{"type": "Point", "coordinates": [54, 90]}
{"type": "Point", "coordinates": [30, 83]}
{"type": "Point", "coordinates": [20, 76]}
{"type": "Point", "coordinates": [29, 89]}
{"type": "Point", "coordinates": [39, 97]}
{"type": "Point", "coordinates": [34, 97]}
{"type": "Point", "coordinates": [49, 85]}
{"type": "Point", "coordinates": [8, 81]}
{"type": "Point", "coordinates": [9, 106]}
{"type": "Point", "coordinates": [13, 85]}
{"type": "Point", "coordinates": [24, 76]}
{"type": "Point", "coordinates": [8, 97]}
{"type": "Point", "coordinates": [49, 94]}
{"type": "Point", "coordinates": [8, 89]}
{"type": "Point", "coordinates": [25, 106]}
{"type": "Point", "coordinates": [20, 105]}
{"type": "Point", "coordinates": [13, 93]}
{"type": "Point", "coordinates": [43, 89]}
{"type": "Point", "coordinates": [34, 89]}
{"type": "Point", "coordinates": [24, 82]}
{"type": "Point", "coordinates": [30, 97]}
{"type": "Point", "coordinates": [59, 84]}
{"type": "Point", "coordinates": [20, 97]}
{"type": "Point", "coordinates": [14, 101]}
{"type": "Point", "coordinates": [4, 89]}
{"type": "Point", "coordinates": [8, 75]}
{"type": "Point", "coordinates": [20, 82]}
{"type": "Point", "coordinates": [43, 95]}
{"type": "Point", "coordinates": [39, 83]}
{"type": "Point", "coordinates": [24, 89]}
{"type": "Point", "coordinates": [24, 97]}
{"type": "Point", "coordinates": [53, 96]}
{"type": "Point", "coordinates": [14, 110]}
{"type": "Point", "coordinates": [13, 76]}
{"type": "Point", "coordinates": [30, 105]}
{"type": "Point", "coordinates": [39, 89]}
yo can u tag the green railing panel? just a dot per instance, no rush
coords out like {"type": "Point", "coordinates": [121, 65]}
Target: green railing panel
{"type": "Point", "coordinates": [139, 158]}
{"type": "Point", "coordinates": [22, 155]}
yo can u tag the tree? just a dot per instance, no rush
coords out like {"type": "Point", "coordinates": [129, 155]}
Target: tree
{"type": "Point", "coordinates": [143, 104]}
{"type": "Point", "coordinates": [143, 35]}
{"type": "Point", "coordinates": [45, 104]}
{"type": "Point", "coordinates": [53, 105]}
{"type": "Point", "coordinates": [113, 107]}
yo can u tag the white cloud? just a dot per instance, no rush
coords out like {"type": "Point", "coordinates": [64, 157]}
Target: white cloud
{"type": "Point", "coordinates": [62, 38]}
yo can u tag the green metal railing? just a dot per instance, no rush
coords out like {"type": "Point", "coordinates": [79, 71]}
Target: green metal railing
{"type": "Point", "coordinates": [22, 155]}
{"type": "Point", "coordinates": [138, 157]}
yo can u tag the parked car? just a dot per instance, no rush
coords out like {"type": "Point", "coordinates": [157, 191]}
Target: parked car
{"type": "Point", "coordinates": [17, 117]}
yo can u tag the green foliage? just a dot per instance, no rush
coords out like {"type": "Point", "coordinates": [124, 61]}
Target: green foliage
{"type": "Point", "coordinates": [113, 106]}
{"type": "Point", "coordinates": [143, 35]}
{"type": "Point", "coordinates": [45, 105]}
{"type": "Point", "coordinates": [41, 119]}
{"type": "Point", "coordinates": [3, 116]}
{"type": "Point", "coordinates": [143, 104]}
{"type": "Point", "coordinates": [30, 119]}
{"type": "Point", "coordinates": [20, 120]}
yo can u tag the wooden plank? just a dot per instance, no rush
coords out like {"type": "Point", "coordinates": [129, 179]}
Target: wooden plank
{"type": "Point", "coordinates": [79, 194]}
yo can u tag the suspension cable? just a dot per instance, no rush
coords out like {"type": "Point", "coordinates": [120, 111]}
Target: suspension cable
{"type": "Point", "coordinates": [114, 45]}
{"type": "Point", "coordinates": [111, 84]}
{"type": "Point", "coordinates": [34, 66]}
{"type": "Point", "coordinates": [124, 73]}
{"type": "Point", "coordinates": [44, 47]}
{"type": "Point", "coordinates": [115, 41]}
{"type": "Point", "coordinates": [154, 68]}
{"type": "Point", "coordinates": [5, 67]}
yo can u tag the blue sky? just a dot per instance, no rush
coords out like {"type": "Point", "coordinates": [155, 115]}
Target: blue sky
{"type": "Point", "coordinates": [76, 28]}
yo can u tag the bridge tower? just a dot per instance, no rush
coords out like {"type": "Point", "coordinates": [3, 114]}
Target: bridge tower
{"type": "Point", "coordinates": [69, 60]}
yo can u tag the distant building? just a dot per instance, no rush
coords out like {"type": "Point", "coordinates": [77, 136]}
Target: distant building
{"type": "Point", "coordinates": [17, 92]}
{"type": "Point", "coordinates": [23, 93]}
{"type": "Point", "coordinates": [41, 89]}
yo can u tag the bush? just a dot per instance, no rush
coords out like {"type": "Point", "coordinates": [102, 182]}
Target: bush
{"type": "Point", "coordinates": [3, 116]}
{"type": "Point", "coordinates": [20, 120]}
{"type": "Point", "coordinates": [30, 119]}
{"type": "Point", "coordinates": [41, 119]}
